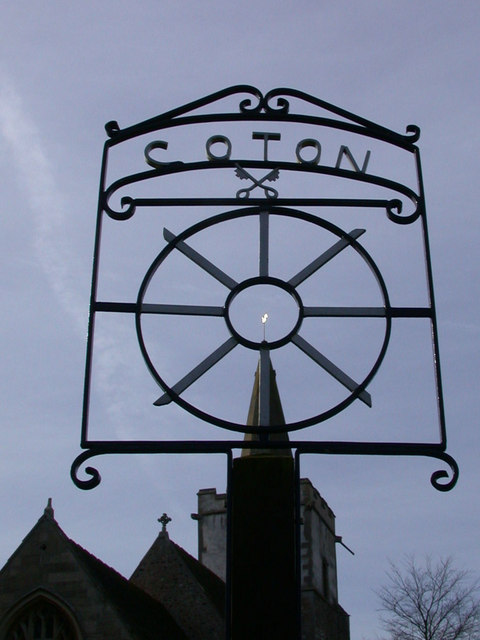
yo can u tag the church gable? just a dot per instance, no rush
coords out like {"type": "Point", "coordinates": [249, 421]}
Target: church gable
{"type": "Point", "coordinates": [66, 583]}
{"type": "Point", "coordinates": [193, 595]}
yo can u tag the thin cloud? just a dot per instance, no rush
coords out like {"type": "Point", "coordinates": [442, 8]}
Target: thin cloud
{"type": "Point", "coordinates": [55, 251]}
{"type": "Point", "coordinates": [52, 246]}
{"type": "Point", "coordinates": [47, 204]}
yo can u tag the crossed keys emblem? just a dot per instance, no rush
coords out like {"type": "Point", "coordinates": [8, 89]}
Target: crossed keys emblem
{"type": "Point", "coordinates": [270, 192]}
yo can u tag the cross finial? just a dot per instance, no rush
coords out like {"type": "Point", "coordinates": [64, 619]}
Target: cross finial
{"type": "Point", "coordinates": [164, 520]}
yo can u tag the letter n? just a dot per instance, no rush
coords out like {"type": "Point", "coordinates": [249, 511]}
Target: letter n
{"type": "Point", "coordinates": [345, 151]}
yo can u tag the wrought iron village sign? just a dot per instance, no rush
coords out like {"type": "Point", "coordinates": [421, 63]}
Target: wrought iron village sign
{"type": "Point", "coordinates": [271, 228]}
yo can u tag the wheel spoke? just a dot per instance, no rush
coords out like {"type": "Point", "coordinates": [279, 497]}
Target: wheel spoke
{"type": "Point", "coordinates": [325, 257]}
{"type": "Point", "coordinates": [182, 309]}
{"type": "Point", "coordinates": [198, 371]}
{"type": "Point", "coordinates": [344, 312]}
{"type": "Point", "coordinates": [199, 260]}
{"type": "Point", "coordinates": [331, 368]}
{"type": "Point", "coordinates": [264, 249]}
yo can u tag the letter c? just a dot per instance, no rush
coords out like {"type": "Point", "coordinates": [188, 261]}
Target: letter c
{"type": "Point", "coordinates": [157, 144]}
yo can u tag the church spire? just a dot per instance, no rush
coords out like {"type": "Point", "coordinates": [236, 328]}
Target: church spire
{"type": "Point", "coordinates": [265, 407]}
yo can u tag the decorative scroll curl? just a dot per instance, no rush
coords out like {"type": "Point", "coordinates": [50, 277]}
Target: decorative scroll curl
{"type": "Point", "coordinates": [283, 105]}
{"type": "Point", "coordinates": [264, 104]}
{"type": "Point", "coordinates": [414, 132]}
{"type": "Point", "coordinates": [95, 477]}
{"type": "Point", "coordinates": [394, 210]}
{"type": "Point", "coordinates": [112, 128]}
{"type": "Point", "coordinates": [440, 474]}
{"type": "Point", "coordinates": [245, 105]}
{"type": "Point", "coordinates": [128, 209]}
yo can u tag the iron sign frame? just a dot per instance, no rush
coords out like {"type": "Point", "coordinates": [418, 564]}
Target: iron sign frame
{"type": "Point", "coordinates": [272, 107]}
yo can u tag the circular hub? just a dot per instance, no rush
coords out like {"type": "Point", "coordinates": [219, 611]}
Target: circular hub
{"type": "Point", "coordinates": [263, 311]}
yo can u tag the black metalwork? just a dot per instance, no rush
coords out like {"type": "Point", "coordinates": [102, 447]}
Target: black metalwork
{"type": "Point", "coordinates": [402, 205]}
{"type": "Point", "coordinates": [357, 390]}
{"type": "Point", "coordinates": [270, 177]}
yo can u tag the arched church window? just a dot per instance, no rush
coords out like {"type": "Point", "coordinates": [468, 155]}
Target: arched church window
{"type": "Point", "coordinates": [41, 620]}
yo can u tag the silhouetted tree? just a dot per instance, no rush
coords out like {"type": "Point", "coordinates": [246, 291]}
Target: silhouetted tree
{"type": "Point", "coordinates": [431, 602]}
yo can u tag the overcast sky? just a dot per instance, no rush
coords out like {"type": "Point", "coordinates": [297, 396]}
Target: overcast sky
{"type": "Point", "coordinates": [65, 70]}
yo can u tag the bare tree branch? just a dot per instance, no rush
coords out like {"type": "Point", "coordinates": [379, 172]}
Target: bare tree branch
{"type": "Point", "coordinates": [432, 602]}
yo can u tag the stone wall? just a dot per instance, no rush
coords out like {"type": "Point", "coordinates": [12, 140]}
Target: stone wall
{"type": "Point", "coordinates": [212, 527]}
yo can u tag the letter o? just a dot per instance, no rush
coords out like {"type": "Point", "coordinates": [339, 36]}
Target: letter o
{"type": "Point", "coordinates": [308, 142]}
{"type": "Point", "coordinates": [213, 140]}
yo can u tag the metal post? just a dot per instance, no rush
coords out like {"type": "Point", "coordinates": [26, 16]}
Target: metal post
{"type": "Point", "coordinates": [264, 601]}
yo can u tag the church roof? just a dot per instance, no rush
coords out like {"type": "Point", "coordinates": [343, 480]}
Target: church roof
{"type": "Point", "coordinates": [194, 595]}
{"type": "Point", "coordinates": [142, 613]}
{"type": "Point", "coordinates": [28, 570]}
